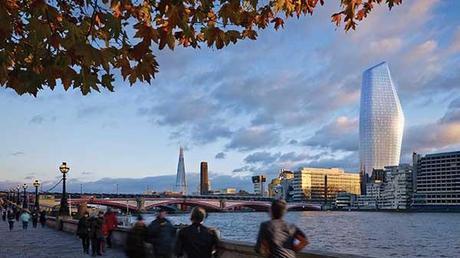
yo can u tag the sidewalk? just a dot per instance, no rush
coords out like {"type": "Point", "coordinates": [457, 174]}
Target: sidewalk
{"type": "Point", "coordinates": [43, 243]}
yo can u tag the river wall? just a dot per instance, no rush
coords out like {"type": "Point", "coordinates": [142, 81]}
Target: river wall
{"type": "Point", "coordinates": [227, 249]}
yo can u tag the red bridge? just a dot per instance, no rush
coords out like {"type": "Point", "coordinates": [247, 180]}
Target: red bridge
{"type": "Point", "coordinates": [182, 203]}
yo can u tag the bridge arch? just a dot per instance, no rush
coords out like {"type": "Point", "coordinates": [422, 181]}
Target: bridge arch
{"type": "Point", "coordinates": [258, 206]}
{"type": "Point", "coordinates": [186, 202]}
{"type": "Point", "coordinates": [303, 207]}
{"type": "Point", "coordinates": [107, 203]}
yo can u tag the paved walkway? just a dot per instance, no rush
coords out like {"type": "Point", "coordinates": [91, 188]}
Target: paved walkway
{"type": "Point", "coordinates": [42, 243]}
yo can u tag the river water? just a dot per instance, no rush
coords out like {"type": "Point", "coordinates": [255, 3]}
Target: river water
{"type": "Point", "coordinates": [376, 234]}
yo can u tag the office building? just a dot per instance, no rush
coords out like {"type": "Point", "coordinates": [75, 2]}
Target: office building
{"type": "Point", "coordinates": [381, 120]}
{"type": "Point", "coordinates": [181, 183]}
{"type": "Point", "coordinates": [281, 186]}
{"type": "Point", "coordinates": [437, 181]}
{"type": "Point", "coordinates": [323, 184]}
{"type": "Point", "coordinates": [388, 189]}
{"type": "Point", "coordinates": [204, 179]}
{"type": "Point", "coordinates": [259, 184]}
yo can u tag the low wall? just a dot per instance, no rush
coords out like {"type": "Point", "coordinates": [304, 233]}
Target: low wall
{"type": "Point", "coordinates": [227, 248]}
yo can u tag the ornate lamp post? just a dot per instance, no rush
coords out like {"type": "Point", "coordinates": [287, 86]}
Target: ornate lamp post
{"type": "Point", "coordinates": [18, 200]}
{"type": "Point", "coordinates": [64, 209]}
{"type": "Point", "coordinates": [36, 185]}
{"type": "Point", "coordinates": [24, 201]}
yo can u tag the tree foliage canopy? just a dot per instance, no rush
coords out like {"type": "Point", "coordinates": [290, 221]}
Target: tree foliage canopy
{"type": "Point", "coordinates": [83, 43]}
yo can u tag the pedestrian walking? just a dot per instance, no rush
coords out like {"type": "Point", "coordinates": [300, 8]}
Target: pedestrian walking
{"type": "Point", "coordinates": [43, 218]}
{"type": "Point", "coordinates": [162, 234]}
{"type": "Point", "coordinates": [34, 219]}
{"type": "Point", "coordinates": [83, 231]}
{"type": "Point", "coordinates": [4, 214]}
{"type": "Point", "coordinates": [11, 219]}
{"type": "Point", "coordinates": [110, 223]}
{"type": "Point", "coordinates": [197, 240]}
{"type": "Point", "coordinates": [135, 240]}
{"type": "Point", "coordinates": [18, 214]}
{"type": "Point", "coordinates": [278, 239]}
{"type": "Point", "coordinates": [25, 217]}
{"type": "Point", "coordinates": [96, 235]}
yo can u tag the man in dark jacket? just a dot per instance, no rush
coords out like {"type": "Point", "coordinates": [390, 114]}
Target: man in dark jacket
{"type": "Point", "coordinates": [95, 233]}
{"type": "Point", "coordinates": [196, 240]}
{"type": "Point", "coordinates": [83, 231]}
{"type": "Point", "coordinates": [135, 240]}
{"type": "Point", "coordinates": [43, 218]}
{"type": "Point", "coordinates": [162, 234]}
{"type": "Point", "coordinates": [34, 219]}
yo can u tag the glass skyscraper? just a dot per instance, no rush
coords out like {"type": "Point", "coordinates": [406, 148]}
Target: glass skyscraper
{"type": "Point", "coordinates": [181, 183]}
{"type": "Point", "coordinates": [381, 120]}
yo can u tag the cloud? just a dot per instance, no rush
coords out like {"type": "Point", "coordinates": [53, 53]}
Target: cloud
{"type": "Point", "coordinates": [18, 153]}
{"type": "Point", "coordinates": [91, 110]}
{"type": "Point", "coordinates": [220, 155]}
{"type": "Point", "coordinates": [442, 135]}
{"type": "Point", "coordinates": [246, 139]}
{"type": "Point", "coordinates": [37, 119]}
{"type": "Point", "coordinates": [40, 119]}
{"type": "Point", "coordinates": [340, 134]}
{"type": "Point", "coordinates": [262, 157]}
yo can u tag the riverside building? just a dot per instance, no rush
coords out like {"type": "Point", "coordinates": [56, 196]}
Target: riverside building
{"type": "Point", "coordinates": [437, 181]}
{"type": "Point", "coordinates": [323, 184]}
{"type": "Point", "coordinates": [388, 189]}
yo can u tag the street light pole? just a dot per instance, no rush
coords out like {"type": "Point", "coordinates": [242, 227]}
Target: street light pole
{"type": "Point", "coordinates": [18, 200]}
{"type": "Point", "coordinates": [64, 209]}
{"type": "Point", "coordinates": [37, 204]}
{"type": "Point", "coordinates": [24, 201]}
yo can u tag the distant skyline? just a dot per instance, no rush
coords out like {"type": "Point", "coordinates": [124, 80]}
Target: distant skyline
{"type": "Point", "coordinates": [287, 100]}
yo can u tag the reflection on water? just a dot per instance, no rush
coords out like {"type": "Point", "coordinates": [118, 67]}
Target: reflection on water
{"type": "Point", "coordinates": [377, 234]}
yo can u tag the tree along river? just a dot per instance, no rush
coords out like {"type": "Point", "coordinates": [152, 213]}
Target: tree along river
{"type": "Point", "coordinates": [376, 234]}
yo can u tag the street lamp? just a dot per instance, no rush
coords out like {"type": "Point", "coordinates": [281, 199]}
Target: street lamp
{"type": "Point", "coordinates": [24, 201]}
{"type": "Point", "coordinates": [64, 209]}
{"type": "Point", "coordinates": [19, 197]}
{"type": "Point", "coordinates": [36, 184]}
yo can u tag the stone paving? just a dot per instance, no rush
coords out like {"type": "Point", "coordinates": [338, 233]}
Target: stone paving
{"type": "Point", "coordinates": [42, 242]}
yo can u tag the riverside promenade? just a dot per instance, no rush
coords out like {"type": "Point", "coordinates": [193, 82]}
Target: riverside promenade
{"type": "Point", "coordinates": [43, 242]}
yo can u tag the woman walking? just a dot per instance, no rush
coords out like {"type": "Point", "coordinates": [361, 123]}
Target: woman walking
{"type": "Point", "coordinates": [25, 217]}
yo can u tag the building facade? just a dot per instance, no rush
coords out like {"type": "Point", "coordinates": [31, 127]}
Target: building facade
{"type": "Point", "coordinates": [381, 120]}
{"type": "Point", "coordinates": [281, 187]}
{"type": "Point", "coordinates": [323, 184]}
{"type": "Point", "coordinates": [181, 182]}
{"type": "Point", "coordinates": [259, 184]}
{"type": "Point", "coordinates": [388, 189]}
{"type": "Point", "coordinates": [437, 181]}
{"type": "Point", "coordinates": [204, 178]}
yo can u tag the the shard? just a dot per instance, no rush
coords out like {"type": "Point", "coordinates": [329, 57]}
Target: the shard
{"type": "Point", "coordinates": [381, 120]}
{"type": "Point", "coordinates": [181, 183]}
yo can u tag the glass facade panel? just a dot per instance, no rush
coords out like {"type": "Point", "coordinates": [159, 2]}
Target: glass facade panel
{"type": "Point", "coordinates": [381, 120]}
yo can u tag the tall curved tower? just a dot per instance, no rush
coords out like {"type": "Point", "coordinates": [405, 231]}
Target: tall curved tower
{"type": "Point", "coordinates": [181, 183]}
{"type": "Point", "coordinates": [381, 120]}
